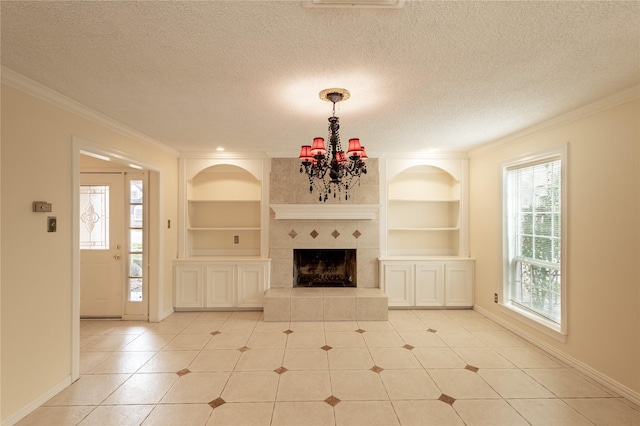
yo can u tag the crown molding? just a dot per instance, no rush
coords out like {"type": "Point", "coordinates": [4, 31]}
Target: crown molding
{"type": "Point", "coordinates": [608, 102]}
{"type": "Point", "coordinates": [35, 89]}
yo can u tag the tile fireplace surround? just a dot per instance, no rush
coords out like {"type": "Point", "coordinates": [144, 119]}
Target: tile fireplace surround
{"type": "Point", "coordinates": [299, 221]}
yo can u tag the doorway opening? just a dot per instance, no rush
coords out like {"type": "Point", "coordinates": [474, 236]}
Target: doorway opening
{"type": "Point", "coordinates": [153, 241]}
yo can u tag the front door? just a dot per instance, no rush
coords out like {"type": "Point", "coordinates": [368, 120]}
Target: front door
{"type": "Point", "coordinates": [101, 244]}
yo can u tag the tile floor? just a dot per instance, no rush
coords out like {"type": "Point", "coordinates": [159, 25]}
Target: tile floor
{"type": "Point", "coordinates": [418, 368]}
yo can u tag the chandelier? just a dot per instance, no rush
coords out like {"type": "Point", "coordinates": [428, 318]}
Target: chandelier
{"type": "Point", "coordinates": [329, 169]}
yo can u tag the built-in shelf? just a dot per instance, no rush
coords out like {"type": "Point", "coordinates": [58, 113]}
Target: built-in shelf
{"type": "Point", "coordinates": [223, 212]}
{"type": "Point", "coordinates": [423, 213]}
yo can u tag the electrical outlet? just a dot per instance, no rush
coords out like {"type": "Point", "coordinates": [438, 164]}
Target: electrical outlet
{"type": "Point", "coordinates": [236, 239]}
{"type": "Point", "coordinates": [495, 297]}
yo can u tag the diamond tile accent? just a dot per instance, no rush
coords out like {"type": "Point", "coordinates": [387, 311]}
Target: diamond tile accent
{"type": "Point", "coordinates": [293, 234]}
{"type": "Point", "coordinates": [216, 403]}
{"type": "Point", "coordinates": [281, 370]}
{"type": "Point", "coordinates": [243, 349]}
{"type": "Point", "coordinates": [314, 234]}
{"type": "Point", "coordinates": [332, 401]}
{"type": "Point", "coordinates": [409, 347]}
{"type": "Point", "coordinates": [215, 333]}
{"type": "Point", "coordinates": [183, 372]}
{"type": "Point", "coordinates": [472, 368]}
{"type": "Point", "coordinates": [288, 331]}
{"type": "Point", "coordinates": [360, 331]}
{"type": "Point", "coordinates": [447, 399]}
{"type": "Point", "coordinates": [326, 348]}
{"type": "Point", "coordinates": [431, 330]}
{"type": "Point", "coordinates": [376, 369]}
{"type": "Point", "coordinates": [335, 233]}
{"type": "Point", "coordinates": [356, 234]}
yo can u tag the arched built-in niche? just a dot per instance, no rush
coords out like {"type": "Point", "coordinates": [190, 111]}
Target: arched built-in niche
{"type": "Point", "coordinates": [223, 212]}
{"type": "Point", "coordinates": [424, 213]}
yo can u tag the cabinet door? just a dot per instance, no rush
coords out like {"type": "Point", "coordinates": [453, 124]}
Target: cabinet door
{"type": "Point", "coordinates": [219, 288]}
{"type": "Point", "coordinates": [188, 280]}
{"type": "Point", "coordinates": [459, 284]}
{"type": "Point", "coordinates": [430, 284]}
{"type": "Point", "coordinates": [251, 278]}
{"type": "Point", "coordinates": [398, 284]}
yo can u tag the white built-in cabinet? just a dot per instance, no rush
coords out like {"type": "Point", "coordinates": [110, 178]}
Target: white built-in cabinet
{"type": "Point", "coordinates": [425, 258]}
{"type": "Point", "coordinates": [428, 283]}
{"type": "Point", "coordinates": [222, 234]}
{"type": "Point", "coordinates": [220, 284]}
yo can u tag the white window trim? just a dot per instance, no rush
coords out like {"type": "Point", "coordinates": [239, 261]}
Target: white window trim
{"type": "Point", "coordinates": [539, 323]}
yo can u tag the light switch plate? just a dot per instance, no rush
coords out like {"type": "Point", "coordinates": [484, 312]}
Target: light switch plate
{"type": "Point", "coordinates": [52, 224]}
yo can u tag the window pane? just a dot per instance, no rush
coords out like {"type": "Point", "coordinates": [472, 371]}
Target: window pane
{"type": "Point", "coordinates": [94, 217]}
{"type": "Point", "coordinates": [537, 288]}
{"type": "Point", "coordinates": [135, 240]}
{"type": "Point", "coordinates": [136, 191]}
{"type": "Point", "coordinates": [135, 219]}
{"type": "Point", "coordinates": [135, 265]}
{"type": "Point", "coordinates": [135, 290]}
{"type": "Point", "coordinates": [526, 223]}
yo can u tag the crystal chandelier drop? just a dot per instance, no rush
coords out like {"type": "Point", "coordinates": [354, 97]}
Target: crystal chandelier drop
{"type": "Point", "coordinates": [329, 169]}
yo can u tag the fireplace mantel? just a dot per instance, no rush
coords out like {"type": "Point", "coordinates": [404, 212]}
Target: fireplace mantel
{"type": "Point", "coordinates": [325, 211]}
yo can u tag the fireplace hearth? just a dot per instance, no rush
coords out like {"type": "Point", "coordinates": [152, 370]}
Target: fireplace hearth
{"type": "Point", "coordinates": [324, 268]}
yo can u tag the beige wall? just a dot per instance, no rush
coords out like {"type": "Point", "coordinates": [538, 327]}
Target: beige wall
{"type": "Point", "coordinates": [603, 244]}
{"type": "Point", "coordinates": [37, 265]}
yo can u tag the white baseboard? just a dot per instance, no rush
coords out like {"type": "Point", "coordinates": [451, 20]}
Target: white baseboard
{"type": "Point", "coordinates": [166, 313]}
{"type": "Point", "coordinates": [588, 371]}
{"type": "Point", "coordinates": [28, 409]}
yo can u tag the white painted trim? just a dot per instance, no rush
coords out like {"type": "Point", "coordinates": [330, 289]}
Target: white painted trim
{"type": "Point", "coordinates": [608, 102]}
{"type": "Point", "coordinates": [166, 313]}
{"type": "Point", "coordinates": [33, 405]}
{"type": "Point", "coordinates": [33, 88]}
{"type": "Point", "coordinates": [583, 368]}
{"type": "Point", "coordinates": [325, 211]}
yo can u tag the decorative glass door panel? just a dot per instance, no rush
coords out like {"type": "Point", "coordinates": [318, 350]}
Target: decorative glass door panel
{"type": "Point", "coordinates": [94, 217]}
{"type": "Point", "coordinates": [101, 247]}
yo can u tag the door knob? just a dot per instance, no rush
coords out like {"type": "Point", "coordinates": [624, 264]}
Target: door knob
{"type": "Point", "coordinates": [116, 257]}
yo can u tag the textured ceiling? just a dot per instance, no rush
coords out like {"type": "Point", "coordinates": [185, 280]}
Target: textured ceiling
{"type": "Point", "coordinates": [246, 74]}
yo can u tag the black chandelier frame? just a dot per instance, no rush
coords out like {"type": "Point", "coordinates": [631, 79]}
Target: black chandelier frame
{"type": "Point", "coordinates": [331, 171]}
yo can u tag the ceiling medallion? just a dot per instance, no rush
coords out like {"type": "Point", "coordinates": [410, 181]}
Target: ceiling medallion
{"type": "Point", "coordinates": [330, 170]}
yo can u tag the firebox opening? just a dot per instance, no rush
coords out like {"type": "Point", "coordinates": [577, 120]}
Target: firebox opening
{"type": "Point", "coordinates": [324, 268]}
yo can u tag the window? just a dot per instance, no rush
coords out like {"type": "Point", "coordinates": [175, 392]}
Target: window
{"type": "Point", "coordinates": [135, 240]}
{"type": "Point", "coordinates": [94, 217]}
{"type": "Point", "coordinates": [533, 228]}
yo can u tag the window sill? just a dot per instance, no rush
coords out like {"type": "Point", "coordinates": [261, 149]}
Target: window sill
{"type": "Point", "coordinates": [540, 324]}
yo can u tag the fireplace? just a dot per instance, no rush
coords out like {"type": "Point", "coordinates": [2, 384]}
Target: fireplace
{"type": "Point", "coordinates": [324, 268]}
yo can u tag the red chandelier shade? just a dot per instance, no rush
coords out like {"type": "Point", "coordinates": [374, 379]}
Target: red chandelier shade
{"type": "Point", "coordinates": [363, 154]}
{"type": "Point", "coordinates": [354, 147]}
{"type": "Point", "coordinates": [318, 147]}
{"type": "Point", "coordinates": [305, 153]}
